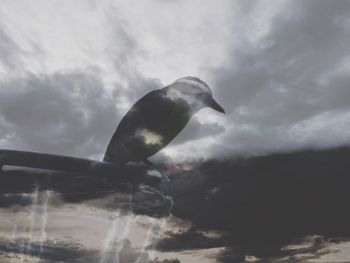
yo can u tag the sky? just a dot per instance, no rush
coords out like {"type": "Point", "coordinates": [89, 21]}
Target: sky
{"type": "Point", "coordinates": [70, 70]}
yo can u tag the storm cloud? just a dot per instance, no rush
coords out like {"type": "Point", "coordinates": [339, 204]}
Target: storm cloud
{"type": "Point", "coordinates": [290, 82]}
{"type": "Point", "coordinates": [270, 173]}
{"type": "Point", "coordinates": [66, 113]}
{"type": "Point", "coordinates": [259, 205]}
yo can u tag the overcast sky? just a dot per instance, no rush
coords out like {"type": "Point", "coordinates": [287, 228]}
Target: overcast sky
{"type": "Point", "coordinates": [69, 70]}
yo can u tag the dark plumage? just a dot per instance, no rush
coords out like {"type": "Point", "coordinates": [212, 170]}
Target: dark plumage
{"type": "Point", "coordinates": [156, 119]}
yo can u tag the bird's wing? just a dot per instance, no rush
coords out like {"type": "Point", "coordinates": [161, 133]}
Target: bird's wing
{"type": "Point", "coordinates": [148, 113]}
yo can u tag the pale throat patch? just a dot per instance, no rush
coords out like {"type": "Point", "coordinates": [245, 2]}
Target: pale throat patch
{"type": "Point", "coordinates": [150, 138]}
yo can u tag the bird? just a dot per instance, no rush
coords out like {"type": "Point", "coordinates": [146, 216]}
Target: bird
{"type": "Point", "coordinates": [156, 119]}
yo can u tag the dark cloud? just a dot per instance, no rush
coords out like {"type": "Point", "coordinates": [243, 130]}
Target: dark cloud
{"type": "Point", "coordinates": [189, 239]}
{"type": "Point", "coordinates": [257, 205]}
{"type": "Point", "coordinates": [108, 191]}
{"type": "Point", "coordinates": [165, 261]}
{"type": "Point", "coordinates": [306, 41]}
{"type": "Point", "coordinates": [310, 248]}
{"type": "Point", "coordinates": [302, 249]}
{"type": "Point", "coordinates": [292, 73]}
{"type": "Point", "coordinates": [50, 251]}
{"type": "Point", "coordinates": [261, 203]}
{"type": "Point", "coordinates": [66, 113]}
{"type": "Point", "coordinates": [69, 251]}
{"type": "Point", "coordinates": [64, 251]}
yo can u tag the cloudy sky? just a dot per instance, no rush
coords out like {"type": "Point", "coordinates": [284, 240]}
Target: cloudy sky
{"type": "Point", "coordinates": [70, 70]}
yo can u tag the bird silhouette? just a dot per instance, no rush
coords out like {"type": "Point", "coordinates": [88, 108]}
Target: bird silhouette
{"type": "Point", "coordinates": [157, 118]}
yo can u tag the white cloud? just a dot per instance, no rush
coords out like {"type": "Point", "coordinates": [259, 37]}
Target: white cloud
{"type": "Point", "coordinates": [324, 130]}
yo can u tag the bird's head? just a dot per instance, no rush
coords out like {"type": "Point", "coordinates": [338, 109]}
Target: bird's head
{"type": "Point", "coordinates": [195, 92]}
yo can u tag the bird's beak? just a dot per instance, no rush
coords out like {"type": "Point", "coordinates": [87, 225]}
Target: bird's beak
{"type": "Point", "coordinates": [211, 103]}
